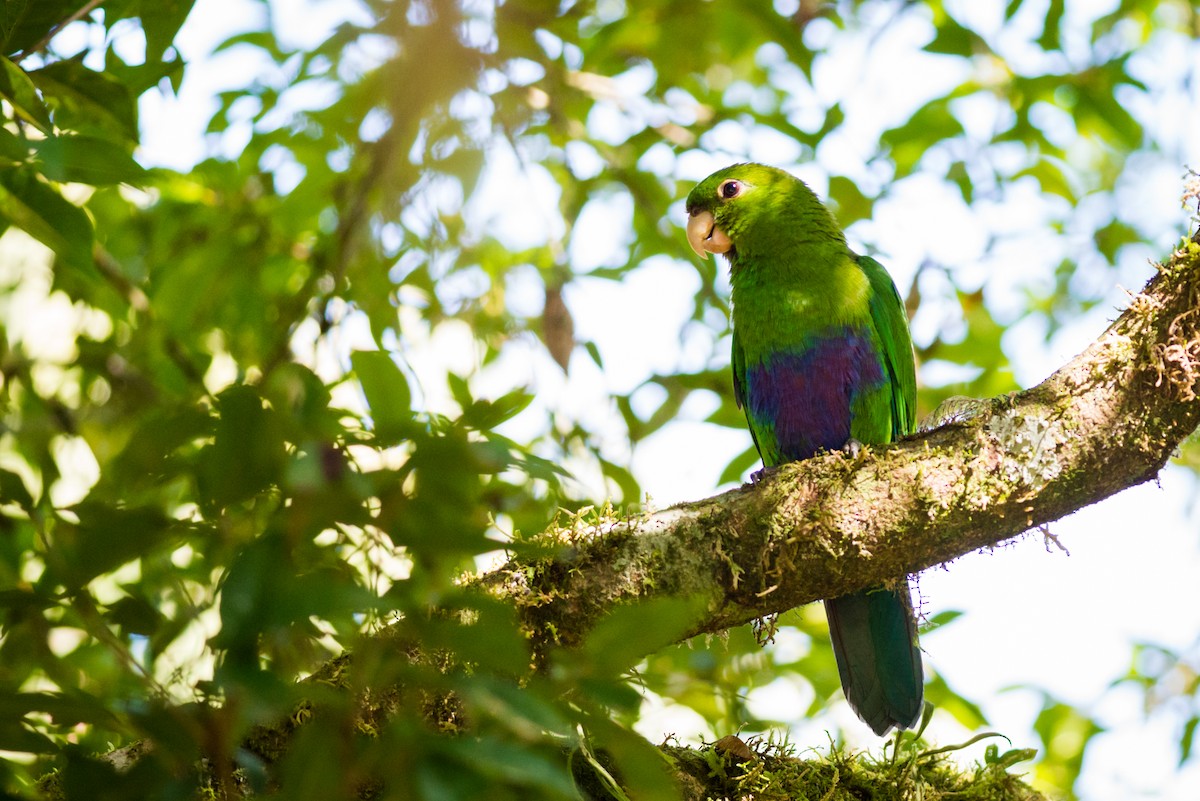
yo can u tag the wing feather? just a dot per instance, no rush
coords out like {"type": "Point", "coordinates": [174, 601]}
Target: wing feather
{"type": "Point", "coordinates": [888, 317]}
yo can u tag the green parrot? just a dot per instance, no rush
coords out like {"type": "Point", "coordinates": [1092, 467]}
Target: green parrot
{"type": "Point", "coordinates": [822, 360]}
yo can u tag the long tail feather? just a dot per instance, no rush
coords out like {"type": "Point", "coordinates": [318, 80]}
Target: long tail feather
{"type": "Point", "coordinates": [874, 637]}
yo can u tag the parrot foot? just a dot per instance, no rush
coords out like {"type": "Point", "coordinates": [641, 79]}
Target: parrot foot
{"type": "Point", "coordinates": [852, 448]}
{"type": "Point", "coordinates": [759, 476]}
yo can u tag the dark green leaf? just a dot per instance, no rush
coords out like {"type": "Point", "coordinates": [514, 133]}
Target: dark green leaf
{"type": "Point", "coordinates": [22, 739]}
{"type": "Point", "coordinates": [489, 414]}
{"type": "Point", "coordinates": [12, 148]}
{"type": "Point", "coordinates": [953, 39]}
{"type": "Point", "coordinates": [247, 453]}
{"type": "Point", "coordinates": [26, 23]}
{"type": "Point", "coordinates": [161, 20]}
{"type": "Point", "coordinates": [510, 762]}
{"type": "Point", "coordinates": [104, 539]}
{"type": "Point", "coordinates": [12, 490]}
{"type": "Point", "coordinates": [36, 208]}
{"type": "Point", "coordinates": [621, 640]}
{"type": "Point", "coordinates": [88, 101]}
{"type": "Point", "coordinates": [87, 160]}
{"type": "Point", "coordinates": [387, 392]}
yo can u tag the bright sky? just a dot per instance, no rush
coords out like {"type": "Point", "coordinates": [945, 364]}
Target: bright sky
{"type": "Point", "coordinates": [1033, 616]}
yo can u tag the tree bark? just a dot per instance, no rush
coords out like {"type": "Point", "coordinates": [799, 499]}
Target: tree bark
{"type": "Point", "coordinates": [1107, 420]}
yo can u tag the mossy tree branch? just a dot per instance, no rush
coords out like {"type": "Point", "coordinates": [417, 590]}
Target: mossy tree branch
{"type": "Point", "coordinates": [1107, 420]}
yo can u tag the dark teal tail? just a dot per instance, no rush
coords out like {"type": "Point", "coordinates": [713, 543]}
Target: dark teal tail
{"type": "Point", "coordinates": [874, 637]}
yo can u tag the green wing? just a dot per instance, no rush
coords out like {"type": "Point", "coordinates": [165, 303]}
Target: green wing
{"type": "Point", "coordinates": [739, 394]}
{"type": "Point", "coordinates": [874, 632]}
{"type": "Point", "coordinates": [887, 315]}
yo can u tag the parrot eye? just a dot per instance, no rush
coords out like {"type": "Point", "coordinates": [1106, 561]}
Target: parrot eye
{"type": "Point", "coordinates": [730, 189]}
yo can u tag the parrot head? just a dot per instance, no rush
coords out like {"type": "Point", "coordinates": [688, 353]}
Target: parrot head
{"type": "Point", "coordinates": [741, 206]}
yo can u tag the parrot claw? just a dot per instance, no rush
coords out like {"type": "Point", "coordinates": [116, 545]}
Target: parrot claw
{"type": "Point", "coordinates": [758, 476]}
{"type": "Point", "coordinates": [852, 448]}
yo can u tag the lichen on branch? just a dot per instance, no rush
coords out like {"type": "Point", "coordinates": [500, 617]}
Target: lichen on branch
{"type": "Point", "coordinates": [1107, 420]}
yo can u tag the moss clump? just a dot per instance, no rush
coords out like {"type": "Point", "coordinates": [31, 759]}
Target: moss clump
{"type": "Point", "coordinates": [906, 769]}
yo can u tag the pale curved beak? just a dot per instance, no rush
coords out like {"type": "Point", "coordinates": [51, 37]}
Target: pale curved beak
{"type": "Point", "coordinates": [704, 236]}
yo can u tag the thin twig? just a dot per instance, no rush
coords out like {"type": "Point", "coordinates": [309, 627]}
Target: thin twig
{"type": "Point", "coordinates": [80, 13]}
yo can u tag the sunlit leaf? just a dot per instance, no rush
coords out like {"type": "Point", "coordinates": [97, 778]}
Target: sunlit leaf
{"type": "Point", "coordinates": [386, 389]}
{"type": "Point", "coordinates": [19, 91]}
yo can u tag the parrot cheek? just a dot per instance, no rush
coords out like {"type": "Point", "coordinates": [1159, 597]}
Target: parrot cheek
{"type": "Point", "coordinates": [704, 236]}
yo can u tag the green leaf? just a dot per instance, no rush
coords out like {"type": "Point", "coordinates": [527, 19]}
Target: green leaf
{"type": "Point", "coordinates": [941, 619]}
{"type": "Point", "coordinates": [514, 706]}
{"type": "Point", "coordinates": [460, 390]}
{"type": "Point", "coordinates": [1052, 178]}
{"type": "Point", "coordinates": [953, 39]}
{"type": "Point", "coordinates": [852, 204]}
{"type": "Point", "coordinates": [512, 762]}
{"type": "Point", "coordinates": [25, 23]}
{"type": "Point", "coordinates": [628, 633]}
{"type": "Point", "coordinates": [1187, 739]}
{"type": "Point", "coordinates": [489, 414]}
{"type": "Point", "coordinates": [738, 466]}
{"type": "Point", "coordinates": [1049, 40]}
{"type": "Point", "coordinates": [966, 712]}
{"type": "Point", "coordinates": [19, 91]}
{"type": "Point", "coordinates": [104, 539]}
{"type": "Point", "coordinates": [135, 616]}
{"type": "Point", "coordinates": [594, 351]}
{"type": "Point", "coordinates": [71, 707]}
{"type": "Point", "coordinates": [641, 766]}
{"type": "Point", "coordinates": [161, 21]}
{"type": "Point", "coordinates": [631, 491]}
{"type": "Point", "coordinates": [491, 639]}
{"type": "Point", "coordinates": [1064, 732]}
{"type": "Point", "coordinates": [263, 40]}
{"type": "Point", "coordinates": [247, 454]}
{"type": "Point", "coordinates": [12, 147]}
{"type": "Point", "coordinates": [1114, 236]}
{"type": "Point", "coordinates": [387, 392]}
{"type": "Point", "coordinates": [86, 100]}
{"type": "Point", "coordinates": [930, 124]}
{"type": "Point", "coordinates": [958, 174]}
{"type": "Point", "coordinates": [16, 737]}
{"type": "Point", "coordinates": [87, 160]}
{"type": "Point", "coordinates": [12, 490]}
{"type": "Point", "coordinates": [40, 211]}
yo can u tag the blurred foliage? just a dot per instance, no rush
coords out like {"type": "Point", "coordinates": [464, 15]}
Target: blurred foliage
{"type": "Point", "coordinates": [209, 484]}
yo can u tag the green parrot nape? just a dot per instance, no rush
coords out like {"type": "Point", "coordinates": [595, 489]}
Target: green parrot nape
{"type": "Point", "coordinates": [822, 358]}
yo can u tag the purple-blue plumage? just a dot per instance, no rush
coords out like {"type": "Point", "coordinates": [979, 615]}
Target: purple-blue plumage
{"type": "Point", "coordinates": [800, 402]}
